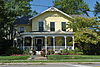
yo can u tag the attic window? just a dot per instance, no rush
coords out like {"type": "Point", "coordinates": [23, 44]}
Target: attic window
{"type": "Point", "coordinates": [22, 29]}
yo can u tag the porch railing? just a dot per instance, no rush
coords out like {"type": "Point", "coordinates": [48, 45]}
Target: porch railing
{"type": "Point", "coordinates": [49, 47]}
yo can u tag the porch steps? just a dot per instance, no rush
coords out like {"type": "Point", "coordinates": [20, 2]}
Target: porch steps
{"type": "Point", "coordinates": [39, 57]}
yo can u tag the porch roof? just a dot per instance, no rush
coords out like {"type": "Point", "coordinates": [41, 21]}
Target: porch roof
{"type": "Point", "coordinates": [46, 33]}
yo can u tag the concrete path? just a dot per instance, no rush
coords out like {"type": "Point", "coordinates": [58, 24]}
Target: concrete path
{"type": "Point", "coordinates": [37, 57]}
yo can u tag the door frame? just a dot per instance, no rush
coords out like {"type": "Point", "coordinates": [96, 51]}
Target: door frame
{"type": "Point", "coordinates": [39, 38]}
{"type": "Point", "coordinates": [36, 43]}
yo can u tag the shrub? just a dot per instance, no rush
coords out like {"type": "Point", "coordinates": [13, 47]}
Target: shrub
{"type": "Point", "coordinates": [50, 52]}
{"type": "Point", "coordinates": [76, 51]}
{"type": "Point", "coordinates": [13, 50]}
{"type": "Point", "coordinates": [26, 52]}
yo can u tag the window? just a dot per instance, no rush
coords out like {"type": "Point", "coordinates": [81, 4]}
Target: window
{"type": "Point", "coordinates": [41, 26]}
{"type": "Point", "coordinates": [63, 26]}
{"type": "Point", "coordinates": [22, 29]}
{"type": "Point", "coordinates": [52, 26]}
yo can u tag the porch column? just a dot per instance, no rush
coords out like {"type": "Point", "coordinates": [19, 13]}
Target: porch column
{"type": "Point", "coordinates": [46, 45]}
{"type": "Point", "coordinates": [53, 43]}
{"type": "Point", "coordinates": [23, 43]}
{"type": "Point", "coordinates": [31, 42]}
{"type": "Point", "coordinates": [73, 43]}
{"type": "Point", "coordinates": [65, 42]}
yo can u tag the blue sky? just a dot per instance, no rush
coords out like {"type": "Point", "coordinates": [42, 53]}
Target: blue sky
{"type": "Point", "coordinates": [39, 9]}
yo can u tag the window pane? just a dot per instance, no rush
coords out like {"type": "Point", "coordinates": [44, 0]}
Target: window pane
{"type": "Point", "coordinates": [22, 29]}
{"type": "Point", "coordinates": [52, 26]}
{"type": "Point", "coordinates": [63, 26]}
{"type": "Point", "coordinates": [41, 26]}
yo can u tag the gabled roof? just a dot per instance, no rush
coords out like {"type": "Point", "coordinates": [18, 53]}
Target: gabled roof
{"type": "Point", "coordinates": [52, 9]}
{"type": "Point", "coordinates": [22, 20]}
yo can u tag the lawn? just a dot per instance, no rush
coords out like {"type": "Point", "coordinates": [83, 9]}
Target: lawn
{"type": "Point", "coordinates": [13, 57]}
{"type": "Point", "coordinates": [66, 57]}
{"type": "Point", "coordinates": [51, 58]}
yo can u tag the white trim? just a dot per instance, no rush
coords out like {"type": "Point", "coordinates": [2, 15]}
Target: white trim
{"type": "Point", "coordinates": [52, 9]}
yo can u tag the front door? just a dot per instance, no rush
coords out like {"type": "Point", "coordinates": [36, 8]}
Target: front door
{"type": "Point", "coordinates": [39, 44]}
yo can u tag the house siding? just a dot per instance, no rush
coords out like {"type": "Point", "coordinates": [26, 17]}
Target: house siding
{"type": "Point", "coordinates": [50, 17]}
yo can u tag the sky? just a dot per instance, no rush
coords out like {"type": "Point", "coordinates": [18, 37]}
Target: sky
{"type": "Point", "coordinates": [39, 9]}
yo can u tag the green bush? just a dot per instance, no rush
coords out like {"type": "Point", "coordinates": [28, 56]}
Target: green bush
{"type": "Point", "coordinates": [50, 52]}
{"type": "Point", "coordinates": [13, 50]}
{"type": "Point", "coordinates": [64, 51]}
{"type": "Point", "coordinates": [26, 52]}
{"type": "Point", "coordinates": [76, 51]}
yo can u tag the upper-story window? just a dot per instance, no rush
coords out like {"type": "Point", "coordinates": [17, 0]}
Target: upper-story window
{"type": "Point", "coordinates": [52, 26]}
{"type": "Point", "coordinates": [41, 26]}
{"type": "Point", "coordinates": [63, 26]}
{"type": "Point", "coordinates": [21, 29]}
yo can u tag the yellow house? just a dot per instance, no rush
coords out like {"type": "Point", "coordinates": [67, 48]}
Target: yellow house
{"type": "Point", "coordinates": [47, 30]}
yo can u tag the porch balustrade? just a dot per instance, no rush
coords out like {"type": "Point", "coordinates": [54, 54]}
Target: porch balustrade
{"type": "Point", "coordinates": [50, 47]}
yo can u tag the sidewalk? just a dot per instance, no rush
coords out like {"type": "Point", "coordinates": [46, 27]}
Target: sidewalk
{"type": "Point", "coordinates": [42, 63]}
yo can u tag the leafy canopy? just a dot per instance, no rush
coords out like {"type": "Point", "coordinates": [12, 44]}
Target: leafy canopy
{"type": "Point", "coordinates": [72, 6]}
{"type": "Point", "coordinates": [9, 10]}
{"type": "Point", "coordinates": [97, 8]}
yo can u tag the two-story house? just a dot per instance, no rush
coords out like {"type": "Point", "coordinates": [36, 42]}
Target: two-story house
{"type": "Point", "coordinates": [47, 30]}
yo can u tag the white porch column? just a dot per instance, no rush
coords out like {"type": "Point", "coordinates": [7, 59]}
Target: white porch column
{"type": "Point", "coordinates": [23, 43]}
{"type": "Point", "coordinates": [53, 43]}
{"type": "Point", "coordinates": [46, 45]}
{"type": "Point", "coordinates": [31, 42]}
{"type": "Point", "coordinates": [73, 43]}
{"type": "Point", "coordinates": [65, 42]}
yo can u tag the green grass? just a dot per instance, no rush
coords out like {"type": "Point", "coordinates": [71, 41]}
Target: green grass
{"type": "Point", "coordinates": [51, 59]}
{"type": "Point", "coordinates": [13, 57]}
{"type": "Point", "coordinates": [65, 57]}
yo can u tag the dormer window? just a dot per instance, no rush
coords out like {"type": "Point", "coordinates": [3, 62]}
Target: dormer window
{"type": "Point", "coordinates": [63, 26]}
{"type": "Point", "coordinates": [21, 29]}
{"type": "Point", "coordinates": [41, 26]}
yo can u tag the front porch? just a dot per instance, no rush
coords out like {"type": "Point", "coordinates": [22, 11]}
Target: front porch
{"type": "Point", "coordinates": [48, 41]}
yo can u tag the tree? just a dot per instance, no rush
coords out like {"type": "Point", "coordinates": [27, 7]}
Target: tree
{"type": "Point", "coordinates": [97, 8]}
{"type": "Point", "coordinates": [72, 6]}
{"type": "Point", "coordinates": [97, 13]}
{"type": "Point", "coordinates": [9, 11]}
{"type": "Point", "coordinates": [85, 36]}
{"type": "Point", "coordinates": [79, 23]}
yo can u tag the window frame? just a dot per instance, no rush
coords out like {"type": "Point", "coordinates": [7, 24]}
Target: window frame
{"type": "Point", "coordinates": [63, 26]}
{"type": "Point", "coordinates": [41, 26]}
{"type": "Point", "coordinates": [52, 26]}
{"type": "Point", "coordinates": [21, 29]}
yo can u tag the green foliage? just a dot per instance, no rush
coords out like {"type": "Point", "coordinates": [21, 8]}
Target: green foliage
{"type": "Point", "coordinates": [26, 52]}
{"type": "Point", "coordinates": [76, 51]}
{"type": "Point", "coordinates": [79, 23]}
{"type": "Point", "coordinates": [9, 11]}
{"type": "Point", "coordinates": [97, 8]}
{"type": "Point", "coordinates": [64, 51]}
{"type": "Point", "coordinates": [13, 50]}
{"type": "Point", "coordinates": [50, 52]}
{"type": "Point", "coordinates": [72, 6]}
{"type": "Point", "coordinates": [86, 38]}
